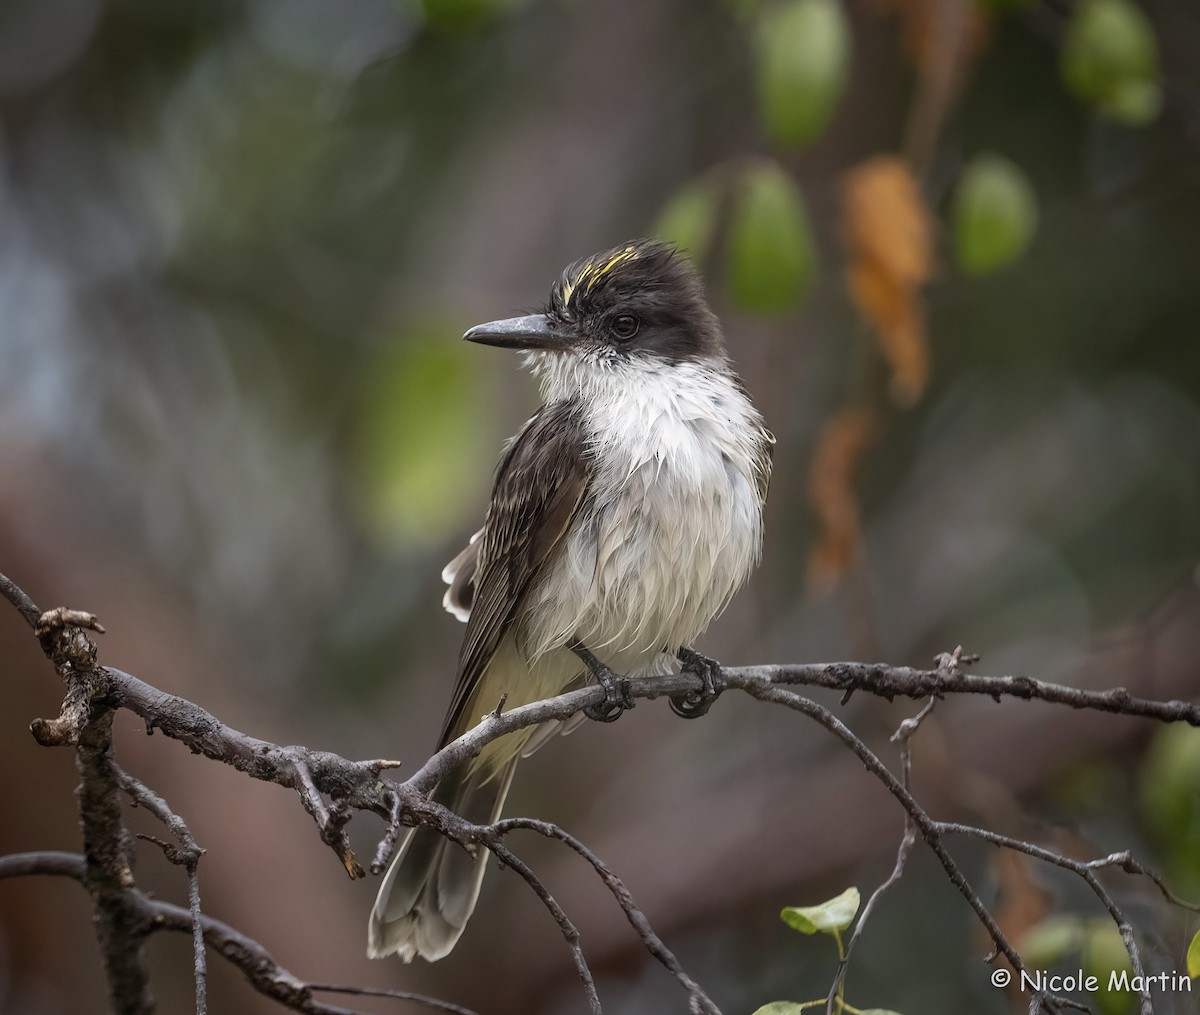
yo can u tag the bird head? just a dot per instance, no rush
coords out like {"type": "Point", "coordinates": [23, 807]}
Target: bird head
{"type": "Point", "coordinates": [638, 300]}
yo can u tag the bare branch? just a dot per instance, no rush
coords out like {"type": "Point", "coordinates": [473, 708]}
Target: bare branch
{"type": "Point", "coordinates": [701, 1002]}
{"type": "Point", "coordinates": [120, 924]}
{"type": "Point", "coordinates": [331, 822]}
{"type": "Point", "coordinates": [309, 772]}
{"type": "Point", "coordinates": [903, 736]}
{"type": "Point", "coordinates": [52, 863]}
{"type": "Point", "coordinates": [142, 796]}
{"type": "Point", "coordinates": [16, 595]}
{"type": "Point", "coordinates": [928, 828]}
{"type": "Point", "coordinates": [399, 995]}
{"type": "Point", "coordinates": [1129, 865]}
{"type": "Point", "coordinates": [188, 856]}
{"type": "Point", "coordinates": [1085, 871]}
{"type": "Point", "coordinates": [904, 682]}
{"type": "Point", "coordinates": [570, 933]}
{"type": "Point", "coordinates": [74, 657]}
{"type": "Point", "coordinates": [125, 916]}
{"type": "Point", "coordinates": [256, 963]}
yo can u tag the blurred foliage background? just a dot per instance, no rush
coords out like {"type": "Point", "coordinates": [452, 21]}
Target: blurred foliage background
{"type": "Point", "coordinates": [954, 245]}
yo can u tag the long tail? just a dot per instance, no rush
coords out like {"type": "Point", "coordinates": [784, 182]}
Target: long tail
{"type": "Point", "coordinates": [429, 891]}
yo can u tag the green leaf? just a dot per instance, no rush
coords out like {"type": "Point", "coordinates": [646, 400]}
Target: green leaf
{"type": "Point", "coordinates": [832, 916]}
{"type": "Point", "coordinates": [1103, 954]}
{"type": "Point", "coordinates": [1193, 956]}
{"type": "Point", "coordinates": [803, 60]}
{"type": "Point", "coordinates": [771, 256]}
{"type": "Point", "coordinates": [689, 217]}
{"type": "Point", "coordinates": [994, 214]}
{"type": "Point", "coordinates": [1110, 59]}
{"type": "Point", "coordinates": [419, 451]}
{"type": "Point", "coordinates": [780, 1008]}
{"type": "Point", "coordinates": [1135, 103]}
{"type": "Point", "coordinates": [1104, 949]}
{"type": "Point", "coordinates": [878, 1011]}
{"type": "Point", "coordinates": [1050, 941]}
{"type": "Point", "coordinates": [1169, 794]}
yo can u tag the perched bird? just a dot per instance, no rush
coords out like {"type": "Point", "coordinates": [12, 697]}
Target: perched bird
{"type": "Point", "coordinates": [625, 514]}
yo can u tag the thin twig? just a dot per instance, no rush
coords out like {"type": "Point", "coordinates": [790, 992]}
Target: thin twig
{"type": "Point", "coordinates": [1085, 870]}
{"type": "Point", "coordinates": [259, 967]}
{"type": "Point", "coordinates": [331, 823]}
{"type": "Point", "coordinates": [188, 855]}
{"type": "Point", "coordinates": [637, 919]}
{"type": "Point", "coordinates": [569, 931]}
{"type": "Point", "coordinates": [143, 796]}
{"type": "Point", "coordinates": [16, 595]}
{"type": "Point", "coordinates": [903, 736]}
{"type": "Point", "coordinates": [199, 953]}
{"type": "Point", "coordinates": [1126, 861]}
{"type": "Point", "coordinates": [928, 828]}
{"type": "Point", "coordinates": [51, 862]}
{"type": "Point", "coordinates": [399, 995]}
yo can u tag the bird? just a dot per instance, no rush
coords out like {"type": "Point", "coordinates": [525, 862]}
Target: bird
{"type": "Point", "coordinates": [624, 515]}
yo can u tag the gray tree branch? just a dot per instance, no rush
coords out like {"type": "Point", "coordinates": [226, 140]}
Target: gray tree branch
{"type": "Point", "coordinates": [92, 693]}
{"type": "Point", "coordinates": [266, 975]}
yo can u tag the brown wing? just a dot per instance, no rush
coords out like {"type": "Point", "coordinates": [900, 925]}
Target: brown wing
{"type": "Point", "coordinates": [540, 484]}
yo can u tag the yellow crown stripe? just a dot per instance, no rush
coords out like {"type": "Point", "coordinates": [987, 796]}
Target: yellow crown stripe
{"type": "Point", "coordinates": [592, 274]}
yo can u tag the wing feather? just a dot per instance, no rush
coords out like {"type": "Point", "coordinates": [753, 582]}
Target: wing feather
{"type": "Point", "coordinates": [540, 484]}
{"type": "Point", "coordinates": [459, 575]}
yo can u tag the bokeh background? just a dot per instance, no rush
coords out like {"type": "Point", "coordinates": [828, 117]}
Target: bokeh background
{"type": "Point", "coordinates": [956, 248]}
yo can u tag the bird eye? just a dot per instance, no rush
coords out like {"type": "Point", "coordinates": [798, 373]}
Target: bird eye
{"type": "Point", "coordinates": [625, 326]}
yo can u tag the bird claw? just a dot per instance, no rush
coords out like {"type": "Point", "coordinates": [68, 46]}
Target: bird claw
{"type": "Point", "coordinates": [616, 701]}
{"type": "Point", "coordinates": [617, 697]}
{"type": "Point", "coordinates": [694, 704]}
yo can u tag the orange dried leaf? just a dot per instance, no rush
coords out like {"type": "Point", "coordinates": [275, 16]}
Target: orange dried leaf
{"type": "Point", "coordinates": [886, 219]}
{"type": "Point", "coordinates": [889, 235]}
{"type": "Point", "coordinates": [899, 324]}
{"type": "Point", "coordinates": [831, 492]}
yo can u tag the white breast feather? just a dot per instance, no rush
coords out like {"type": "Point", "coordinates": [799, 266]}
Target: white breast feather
{"type": "Point", "coordinates": [648, 570]}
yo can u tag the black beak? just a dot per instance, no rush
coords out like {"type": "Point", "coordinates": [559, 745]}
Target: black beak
{"type": "Point", "coordinates": [533, 332]}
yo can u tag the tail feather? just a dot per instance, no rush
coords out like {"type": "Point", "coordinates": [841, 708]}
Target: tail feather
{"type": "Point", "coordinates": [430, 890]}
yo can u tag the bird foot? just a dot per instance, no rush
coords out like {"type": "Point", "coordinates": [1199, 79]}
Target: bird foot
{"type": "Point", "coordinates": [695, 703]}
{"type": "Point", "coordinates": [616, 688]}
